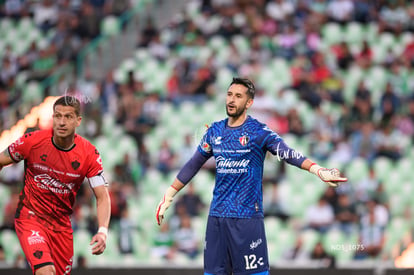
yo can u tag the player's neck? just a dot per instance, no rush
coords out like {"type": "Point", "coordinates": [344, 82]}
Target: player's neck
{"type": "Point", "coordinates": [236, 121]}
{"type": "Point", "coordinates": [64, 143]}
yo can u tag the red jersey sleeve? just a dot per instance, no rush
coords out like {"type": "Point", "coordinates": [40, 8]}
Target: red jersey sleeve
{"type": "Point", "coordinates": [20, 149]}
{"type": "Point", "coordinates": [95, 162]}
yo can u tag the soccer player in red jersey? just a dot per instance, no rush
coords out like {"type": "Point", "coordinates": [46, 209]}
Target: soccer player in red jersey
{"type": "Point", "coordinates": [56, 163]}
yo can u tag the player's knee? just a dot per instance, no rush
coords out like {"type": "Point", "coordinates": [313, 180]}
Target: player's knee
{"type": "Point", "coordinates": [46, 270]}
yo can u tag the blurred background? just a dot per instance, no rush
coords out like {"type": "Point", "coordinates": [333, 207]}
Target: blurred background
{"type": "Point", "coordinates": [334, 78]}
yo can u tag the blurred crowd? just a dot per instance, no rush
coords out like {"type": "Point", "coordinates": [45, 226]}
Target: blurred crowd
{"type": "Point", "coordinates": [39, 36]}
{"type": "Point", "coordinates": [371, 124]}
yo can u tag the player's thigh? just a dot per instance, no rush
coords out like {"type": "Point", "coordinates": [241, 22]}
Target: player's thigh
{"type": "Point", "coordinates": [248, 246]}
{"type": "Point", "coordinates": [216, 258]}
{"type": "Point", "coordinates": [62, 247]}
{"type": "Point", "coordinates": [35, 243]}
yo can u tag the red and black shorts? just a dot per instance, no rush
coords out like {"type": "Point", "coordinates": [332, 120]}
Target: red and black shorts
{"type": "Point", "coordinates": [43, 246]}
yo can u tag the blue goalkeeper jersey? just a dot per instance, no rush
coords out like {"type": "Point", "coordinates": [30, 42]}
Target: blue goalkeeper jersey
{"type": "Point", "coordinates": [239, 153]}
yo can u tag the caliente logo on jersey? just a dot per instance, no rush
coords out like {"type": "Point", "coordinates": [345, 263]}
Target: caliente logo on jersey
{"type": "Point", "coordinates": [45, 181]}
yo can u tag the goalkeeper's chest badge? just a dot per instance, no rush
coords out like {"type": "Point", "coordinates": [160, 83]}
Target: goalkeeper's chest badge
{"type": "Point", "coordinates": [244, 140]}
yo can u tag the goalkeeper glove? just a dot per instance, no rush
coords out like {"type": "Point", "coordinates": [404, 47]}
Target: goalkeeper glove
{"type": "Point", "coordinates": [165, 203]}
{"type": "Point", "coordinates": [331, 176]}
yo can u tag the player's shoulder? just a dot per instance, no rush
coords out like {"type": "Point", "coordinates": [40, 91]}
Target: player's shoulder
{"type": "Point", "coordinates": [261, 127]}
{"type": "Point", "coordinates": [216, 125]}
{"type": "Point", "coordinates": [255, 124]}
{"type": "Point", "coordinates": [83, 143]}
{"type": "Point", "coordinates": [36, 136]}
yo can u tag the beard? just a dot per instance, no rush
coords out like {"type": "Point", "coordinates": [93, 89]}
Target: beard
{"type": "Point", "coordinates": [236, 112]}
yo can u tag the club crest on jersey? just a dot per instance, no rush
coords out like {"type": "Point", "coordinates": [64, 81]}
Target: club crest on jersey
{"type": "Point", "coordinates": [75, 164]}
{"type": "Point", "coordinates": [244, 140]}
{"type": "Point", "coordinates": [38, 254]}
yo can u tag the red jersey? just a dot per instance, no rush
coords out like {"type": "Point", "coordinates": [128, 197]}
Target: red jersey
{"type": "Point", "coordinates": [52, 175]}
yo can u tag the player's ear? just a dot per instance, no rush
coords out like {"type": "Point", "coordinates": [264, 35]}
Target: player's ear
{"type": "Point", "coordinates": [78, 121]}
{"type": "Point", "coordinates": [249, 103]}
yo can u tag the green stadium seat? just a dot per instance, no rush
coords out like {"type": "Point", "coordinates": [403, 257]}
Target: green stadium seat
{"type": "Point", "coordinates": [379, 53]}
{"type": "Point", "coordinates": [387, 39]}
{"type": "Point", "coordinates": [371, 32]}
{"type": "Point", "coordinates": [397, 204]}
{"type": "Point", "coordinates": [382, 166]}
{"type": "Point", "coordinates": [375, 80]}
{"type": "Point", "coordinates": [192, 9]}
{"type": "Point", "coordinates": [404, 167]}
{"type": "Point", "coordinates": [217, 42]}
{"type": "Point", "coordinates": [126, 144]}
{"type": "Point", "coordinates": [21, 78]}
{"type": "Point", "coordinates": [112, 252]}
{"type": "Point", "coordinates": [352, 78]}
{"type": "Point", "coordinates": [332, 238]}
{"type": "Point", "coordinates": [5, 194]}
{"type": "Point", "coordinates": [81, 240]}
{"type": "Point", "coordinates": [406, 38]}
{"type": "Point", "coordinates": [120, 75]}
{"type": "Point", "coordinates": [354, 33]}
{"type": "Point", "coordinates": [11, 38]}
{"type": "Point", "coordinates": [25, 26]}
{"type": "Point", "coordinates": [310, 238]}
{"type": "Point", "coordinates": [307, 115]}
{"type": "Point", "coordinates": [6, 25]}
{"type": "Point", "coordinates": [241, 43]}
{"type": "Point", "coordinates": [128, 64]}
{"type": "Point", "coordinates": [332, 33]}
{"type": "Point", "coordinates": [224, 75]}
{"type": "Point", "coordinates": [339, 245]}
{"type": "Point", "coordinates": [357, 170]}
{"type": "Point", "coordinates": [274, 76]}
{"type": "Point", "coordinates": [204, 53]}
{"type": "Point", "coordinates": [142, 55]}
{"type": "Point", "coordinates": [397, 227]}
{"type": "Point", "coordinates": [10, 244]}
{"type": "Point", "coordinates": [141, 246]}
{"type": "Point", "coordinates": [33, 92]}
{"type": "Point", "coordinates": [285, 238]}
{"type": "Point", "coordinates": [273, 225]}
{"type": "Point", "coordinates": [110, 26]}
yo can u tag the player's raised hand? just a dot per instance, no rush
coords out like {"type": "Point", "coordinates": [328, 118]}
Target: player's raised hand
{"type": "Point", "coordinates": [331, 176]}
{"type": "Point", "coordinates": [99, 243]}
{"type": "Point", "coordinates": [165, 203]}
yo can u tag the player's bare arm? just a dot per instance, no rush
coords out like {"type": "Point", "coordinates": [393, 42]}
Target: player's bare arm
{"type": "Point", "coordinates": [5, 158]}
{"type": "Point", "coordinates": [103, 208]}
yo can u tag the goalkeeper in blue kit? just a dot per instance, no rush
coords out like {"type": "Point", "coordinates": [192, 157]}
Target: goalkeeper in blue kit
{"type": "Point", "coordinates": [235, 241]}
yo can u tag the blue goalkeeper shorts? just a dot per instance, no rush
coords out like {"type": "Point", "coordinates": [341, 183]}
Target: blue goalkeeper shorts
{"type": "Point", "coordinates": [235, 246]}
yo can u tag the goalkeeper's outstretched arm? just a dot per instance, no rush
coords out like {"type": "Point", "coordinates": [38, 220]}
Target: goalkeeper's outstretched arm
{"type": "Point", "coordinates": [331, 176]}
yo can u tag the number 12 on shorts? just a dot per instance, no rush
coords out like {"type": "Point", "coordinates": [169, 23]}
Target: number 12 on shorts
{"type": "Point", "coordinates": [252, 262]}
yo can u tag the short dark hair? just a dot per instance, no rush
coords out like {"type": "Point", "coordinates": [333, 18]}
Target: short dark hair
{"type": "Point", "coordinates": [251, 90]}
{"type": "Point", "coordinates": [68, 101]}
